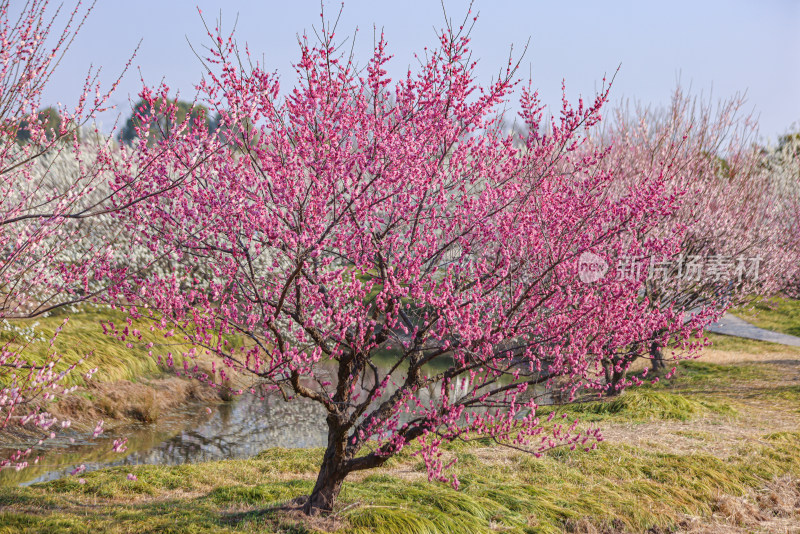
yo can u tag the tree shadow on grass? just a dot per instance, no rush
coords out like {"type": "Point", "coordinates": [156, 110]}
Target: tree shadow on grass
{"type": "Point", "coordinates": [224, 509]}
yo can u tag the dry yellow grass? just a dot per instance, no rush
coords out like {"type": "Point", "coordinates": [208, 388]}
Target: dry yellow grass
{"type": "Point", "coordinates": [724, 357]}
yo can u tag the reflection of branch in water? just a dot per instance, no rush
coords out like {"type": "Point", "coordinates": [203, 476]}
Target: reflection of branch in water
{"type": "Point", "coordinates": [242, 429]}
{"type": "Point", "coordinates": [235, 430]}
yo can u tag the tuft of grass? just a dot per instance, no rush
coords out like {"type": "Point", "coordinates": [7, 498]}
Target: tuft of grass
{"type": "Point", "coordinates": [283, 460]}
{"type": "Point", "coordinates": [148, 411]}
{"type": "Point", "coordinates": [645, 404]}
{"type": "Point", "coordinates": [260, 494]}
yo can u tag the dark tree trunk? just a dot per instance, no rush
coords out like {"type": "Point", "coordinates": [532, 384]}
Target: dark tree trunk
{"type": "Point", "coordinates": [326, 490]}
{"type": "Point", "coordinates": [331, 474]}
{"type": "Point", "coordinates": [657, 357]}
{"type": "Point", "coordinates": [613, 376]}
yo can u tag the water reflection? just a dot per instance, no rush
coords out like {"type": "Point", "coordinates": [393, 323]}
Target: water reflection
{"type": "Point", "coordinates": [237, 429]}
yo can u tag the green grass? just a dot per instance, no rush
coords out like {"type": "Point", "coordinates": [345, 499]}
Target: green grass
{"type": "Point", "coordinates": [699, 389]}
{"type": "Point", "coordinates": [778, 314]}
{"type": "Point", "coordinates": [621, 486]}
{"type": "Point", "coordinates": [699, 372]}
{"type": "Point", "coordinates": [786, 393]}
{"type": "Point", "coordinates": [646, 404]}
{"type": "Point", "coordinates": [616, 487]}
{"type": "Point", "coordinates": [83, 337]}
{"type": "Point", "coordinates": [616, 484]}
{"type": "Point", "coordinates": [750, 346]}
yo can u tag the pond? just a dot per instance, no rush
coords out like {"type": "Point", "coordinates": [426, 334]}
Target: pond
{"type": "Point", "coordinates": [237, 429]}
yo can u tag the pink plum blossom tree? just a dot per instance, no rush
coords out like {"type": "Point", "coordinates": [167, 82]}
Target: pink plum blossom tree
{"type": "Point", "coordinates": [387, 252]}
{"type": "Point", "coordinates": [740, 235]}
{"type": "Point", "coordinates": [36, 204]}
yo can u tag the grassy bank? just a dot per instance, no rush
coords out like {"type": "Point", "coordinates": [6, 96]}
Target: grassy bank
{"type": "Point", "coordinates": [778, 314]}
{"type": "Point", "coordinates": [83, 338]}
{"type": "Point", "coordinates": [129, 385]}
{"type": "Point", "coordinates": [718, 446]}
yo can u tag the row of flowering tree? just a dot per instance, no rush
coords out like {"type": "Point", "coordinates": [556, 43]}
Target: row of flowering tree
{"type": "Point", "coordinates": [739, 219]}
{"type": "Point", "coordinates": [383, 248]}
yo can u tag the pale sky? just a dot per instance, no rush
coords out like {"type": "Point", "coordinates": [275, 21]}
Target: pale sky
{"type": "Point", "coordinates": [717, 46]}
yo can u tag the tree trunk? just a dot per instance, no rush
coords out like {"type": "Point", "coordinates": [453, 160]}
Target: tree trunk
{"type": "Point", "coordinates": [614, 377]}
{"type": "Point", "coordinates": [326, 491]}
{"type": "Point", "coordinates": [331, 474]}
{"type": "Point", "coordinates": [657, 356]}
